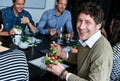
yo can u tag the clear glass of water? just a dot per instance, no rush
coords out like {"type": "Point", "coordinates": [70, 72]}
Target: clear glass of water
{"type": "Point", "coordinates": [60, 36]}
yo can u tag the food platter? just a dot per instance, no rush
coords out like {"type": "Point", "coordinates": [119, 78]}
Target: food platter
{"type": "Point", "coordinates": [51, 59]}
{"type": "Point", "coordinates": [40, 62]}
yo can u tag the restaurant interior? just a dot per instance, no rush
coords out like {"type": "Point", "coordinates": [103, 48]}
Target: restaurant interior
{"type": "Point", "coordinates": [110, 8]}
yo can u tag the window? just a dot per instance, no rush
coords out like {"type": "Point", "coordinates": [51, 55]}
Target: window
{"type": "Point", "coordinates": [37, 4]}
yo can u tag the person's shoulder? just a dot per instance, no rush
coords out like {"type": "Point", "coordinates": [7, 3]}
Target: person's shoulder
{"type": "Point", "coordinates": [102, 48]}
{"type": "Point", "coordinates": [103, 44]}
{"type": "Point", "coordinates": [17, 50]}
{"type": "Point", "coordinates": [49, 11]}
{"type": "Point", "coordinates": [25, 11]}
{"type": "Point", "coordinates": [67, 11]}
{"type": "Point", "coordinates": [104, 41]}
{"type": "Point", "coordinates": [116, 51]}
{"type": "Point", "coordinates": [11, 51]}
{"type": "Point", "coordinates": [117, 46]}
{"type": "Point", "coordinates": [6, 9]}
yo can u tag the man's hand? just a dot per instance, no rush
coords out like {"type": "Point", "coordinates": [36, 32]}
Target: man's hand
{"type": "Point", "coordinates": [69, 35]}
{"type": "Point", "coordinates": [55, 68]}
{"type": "Point", "coordinates": [12, 32]}
{"type": "Point", "coordinates": [24, 20]}
{"type": "Point", "coordinates": [59, 51]}
{"type": "Point", "coordinates": [52, 32]}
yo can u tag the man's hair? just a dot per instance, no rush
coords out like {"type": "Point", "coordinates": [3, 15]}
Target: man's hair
{"type": "Point", "coordinates": [115, 35]}
{"type": "Point", "coordinates": [93, 10]}
{"type": "Point", "coordinates": [15, 1]}
{"type": "Point", "coordinates": [58, 0]}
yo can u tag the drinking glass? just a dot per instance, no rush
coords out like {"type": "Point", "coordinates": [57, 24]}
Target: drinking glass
{"type": "Point", "coordinates": [60, 36]}
{"type": "Point", "coordinates": [68, 39]}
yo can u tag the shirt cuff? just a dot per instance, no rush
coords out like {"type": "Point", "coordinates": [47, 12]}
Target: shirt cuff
{"type": "Point", "coordinates": [36, 31]}
{"type": "Point", "coordinates": [67, 76]}
{"type": "Point", "coordinates": [67, 54]}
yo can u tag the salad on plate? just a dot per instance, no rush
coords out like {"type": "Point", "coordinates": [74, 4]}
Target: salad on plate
{"type": "Point", "coordinates": [52, 57]}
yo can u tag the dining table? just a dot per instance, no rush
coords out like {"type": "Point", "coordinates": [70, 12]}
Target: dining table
{"type": "Point", "coordinates": [34, 52]}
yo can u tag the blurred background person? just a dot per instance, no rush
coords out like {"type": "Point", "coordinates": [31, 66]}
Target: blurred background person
{"type": "Point", "coordinates": [15, 15]}
{"type": "Point", "coordinates": [52, 20]}
{"type": "Point", "coordinates": [114, 39]}
{"type": "Point", "coordinates": [13, 65]}
{"type": "Point", "coordinates": [115, 42]}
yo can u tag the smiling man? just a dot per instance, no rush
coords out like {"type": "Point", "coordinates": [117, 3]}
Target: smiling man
{"type": "Point", "coordinates": [52, 20]}
{"type": "Point", "coordinates": [94, 56]}
{"type": "Point", "coordinates": [15, 15]}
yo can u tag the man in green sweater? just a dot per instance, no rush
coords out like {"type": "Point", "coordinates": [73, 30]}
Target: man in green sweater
{"type": "Point", "coordinates": [94, 56]}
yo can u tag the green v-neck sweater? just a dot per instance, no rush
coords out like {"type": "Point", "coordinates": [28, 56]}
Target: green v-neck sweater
{"type": "Point", "coordinates": [93, 64]}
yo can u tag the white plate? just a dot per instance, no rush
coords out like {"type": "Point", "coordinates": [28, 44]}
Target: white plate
{"type": "Point", "coordinates": [40, 62]}
{"type": "Point", "coordinates": [17, 31]}
{"type": "Point", "coordinates": [32, 40]}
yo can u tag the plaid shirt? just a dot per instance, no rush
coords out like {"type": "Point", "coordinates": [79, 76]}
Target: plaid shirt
{"type": "Point", "coordinates": [115, 75]}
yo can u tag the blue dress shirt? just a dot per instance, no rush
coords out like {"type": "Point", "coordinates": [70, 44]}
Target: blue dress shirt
{"type": "Point", "coordinates": [9, 18]}
{"type": "Point", "coordinates": [49, 20]}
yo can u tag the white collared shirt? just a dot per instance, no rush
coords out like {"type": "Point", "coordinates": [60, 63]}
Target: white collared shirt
{"type": "Point", "coordinates": [91, 41]}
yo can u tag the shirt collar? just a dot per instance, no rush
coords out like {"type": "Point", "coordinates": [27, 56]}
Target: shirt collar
{"type": "Point", "coordinates": [54, 12]}
{"type": "Point", "coordinates": [19, 14]}
{"type": "Point", "coordinates": [91, 41]}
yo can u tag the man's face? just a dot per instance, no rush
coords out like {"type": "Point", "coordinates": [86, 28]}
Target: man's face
{"type": "Point", "coordinates": [86, 26]}
{"type": "Point", "coordinates": [61, 5]}
{"type": "Point", "coordinates": [18, 6]}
